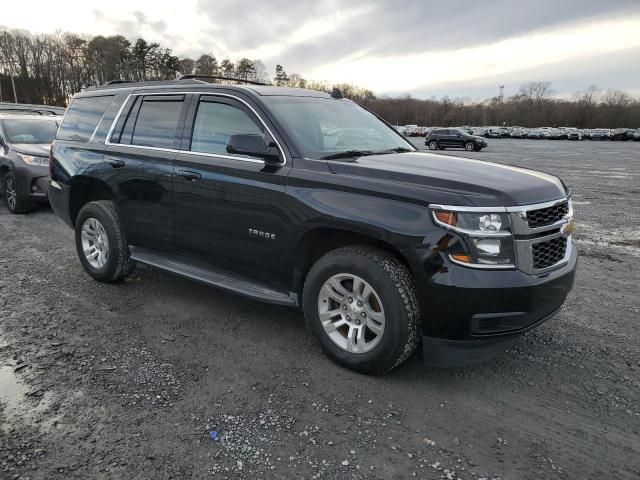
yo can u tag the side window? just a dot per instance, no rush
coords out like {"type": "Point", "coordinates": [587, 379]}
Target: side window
{"type": "Point", "coordinates": [82, 118]}
{"type": "Point", "coordinates": [443, 132]}
{"type": "Point", "coordinates": [215, 121]}
{"type": "Point", "coordinates": [152, 121]}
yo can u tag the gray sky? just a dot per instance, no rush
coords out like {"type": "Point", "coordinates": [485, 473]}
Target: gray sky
{"type": "Point", "coordinates": [424, 48]}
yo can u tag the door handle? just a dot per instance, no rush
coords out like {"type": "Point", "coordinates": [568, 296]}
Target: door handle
{"type": "Point", "coordinates": [115, 163]}
{"type": "Point", "coordinates": [189, 175]}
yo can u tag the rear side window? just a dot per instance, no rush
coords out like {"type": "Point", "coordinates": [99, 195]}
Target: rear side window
{"type": "Point", "coordinates": [82, 118]}
{"type": "Point", "coordinates": [153, 121]}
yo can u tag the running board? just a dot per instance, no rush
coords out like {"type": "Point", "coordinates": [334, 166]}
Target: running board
{"type": "Point", "coordinates": [216, 278]}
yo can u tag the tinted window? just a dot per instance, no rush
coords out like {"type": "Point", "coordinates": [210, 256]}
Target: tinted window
{"type": "Point", "coordinates": [215, 122]}
{"type": "Point", "coordinates": [82, 118]}
{"type": "Point", "coordinates": [33, 131]}
{"type": "Point", "coordinates": [442, 132]}
{"type": "Point", "coordinates": [156, 122]}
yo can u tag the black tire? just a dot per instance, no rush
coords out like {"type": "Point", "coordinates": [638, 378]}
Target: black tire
{"type": "Point", "coordinates": [394, 285]}
{"type": "Point", "coordinates": [13, 196]}
{"type": "Point", "coordinates": [119, 264]}
{"type": "Point", "coordinates": [433, 145]}
{"type": "Point", "coordinates": [469, 146]}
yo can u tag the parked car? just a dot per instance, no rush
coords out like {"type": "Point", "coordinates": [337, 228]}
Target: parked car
{"type": "Point", "coordinates": [600, 134]}
{"type": "Point", "coordinates": [25, 139]}
{"type": "Point", "coordinates": [622, 134]}
{"type": "Point", "coordinates": [478, 131]}
{"type": "Point", "coordinates": [518, 132]}
{"type": "Point", "coordinates": [636, 135]}
{"type": "Point", "coordinates": [573, 134]}
{"type": "Point", "coordinates": [380, 245]}
{"type": "Point", "coordinates": [441, 138]}
{"type": "Point", "coordinates": [535, 133]}
{"type": "Point", "coordinates": [497, 132]}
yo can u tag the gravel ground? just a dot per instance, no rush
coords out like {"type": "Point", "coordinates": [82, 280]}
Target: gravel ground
{"type": "Point", "coordinates": [161, 377]}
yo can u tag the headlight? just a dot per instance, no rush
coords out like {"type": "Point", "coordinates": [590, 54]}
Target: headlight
{"type": "Point", "coordinates": [31, 160]}
{"type": "Point", "coordinates": [488, 242]}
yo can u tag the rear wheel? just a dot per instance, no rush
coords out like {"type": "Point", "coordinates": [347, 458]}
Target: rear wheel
{"type": "Point", "coordinates": [361, 305]}
{"type": "Point", "coordinates": [101, 245]}
{"type": "Point", "coordinates": [433, 145]}
{"type": "Point", "coordinates": [469, 147]}
{"type": "Point", "coordinates": [16, 203]}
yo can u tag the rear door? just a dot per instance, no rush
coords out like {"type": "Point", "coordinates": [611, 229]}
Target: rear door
{"type": "Point", "coordinates": [230, 210]}
{"type": "Point", "coordinates": [139, 160]}
{"type": "Point", "coordinates": [445, 138]}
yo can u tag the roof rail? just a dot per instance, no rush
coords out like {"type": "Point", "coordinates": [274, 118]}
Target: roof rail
{"type": "Point", "coordinates": [218, 77]}
{"type": "Point", "coordinates": [29, 108]}
{"type": "Point", "coordinates": [114, 82]}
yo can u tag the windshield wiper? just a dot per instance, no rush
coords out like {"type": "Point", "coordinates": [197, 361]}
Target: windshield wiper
{"type": "Point", "coordinates": [348, 154]}
{"type": "Point", "coordinates": [402, 150]}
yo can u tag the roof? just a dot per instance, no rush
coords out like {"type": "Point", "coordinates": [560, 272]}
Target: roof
{"type": "Point", "coordinates": [190, 84]}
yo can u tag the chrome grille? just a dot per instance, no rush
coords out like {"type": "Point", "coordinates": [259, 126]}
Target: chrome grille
{"type": "Point", "coordinates": [547, 216]}
{"type": "Point", "coordinates": [548, 253]}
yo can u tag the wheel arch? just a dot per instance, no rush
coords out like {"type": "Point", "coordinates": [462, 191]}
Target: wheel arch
{"type": "Point", "coordinates": [84, 190]}
{"type": "Point", "coordinates": [318, 241]}
{"type": "Point", "coordinates": [4, 169]}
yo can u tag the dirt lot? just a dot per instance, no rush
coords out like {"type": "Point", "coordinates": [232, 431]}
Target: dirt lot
{"type": "Point", "coordinates": [128, 380]}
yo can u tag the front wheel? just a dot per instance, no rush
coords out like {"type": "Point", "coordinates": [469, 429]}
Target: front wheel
{"type": "Point", "coordinates": [469, 147]}
{"type": "Point", "coordinates": [433, 145]}
{"type": "Point", "coordinates": [101, 244]}
{"type": "Point", "coordinates": [361, 305]}
{"type": "Point", "coordinates": [16, 203]}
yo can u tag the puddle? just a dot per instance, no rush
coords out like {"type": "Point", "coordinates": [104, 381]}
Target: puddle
{"type": "Point", "coordinates": [12, 392]}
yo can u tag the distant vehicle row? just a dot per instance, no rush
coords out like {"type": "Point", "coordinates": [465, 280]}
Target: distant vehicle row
{"type": "Point", "coordinates": [548, 133]}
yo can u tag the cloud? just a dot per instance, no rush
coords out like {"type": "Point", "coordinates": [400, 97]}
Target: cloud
{"type": "Point", "coordinates": [417, 71]}
{"type": "Point", "coordinates": [414, 45]}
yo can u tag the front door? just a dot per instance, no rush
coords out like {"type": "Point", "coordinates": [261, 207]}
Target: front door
{"type": "Point", "coordinates": [230, 210]}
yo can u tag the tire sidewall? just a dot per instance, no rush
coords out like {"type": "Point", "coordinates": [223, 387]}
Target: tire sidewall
{"type": "Point", "coordinates": [433, 145]}
{"type": "Point", "coordinates": [16, 187]}
{"type": "Point", "coordinates": [466, 147]}
{"type": "Point", "coordinates": [108, 271]}
{"type": "Point", "coordinates": [384, 355]}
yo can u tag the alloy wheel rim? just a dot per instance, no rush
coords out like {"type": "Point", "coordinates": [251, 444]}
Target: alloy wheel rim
{"type": "Point", "coordinates": [11, 193]}
{"type": "Point", "coordinates": [351, 313]}
{"type": "Point", "coordinates": [95, 243]}
{"type": "Point", "coordinates": [469, 147]}
{"type": "Point", "coordinates": [433, 145]}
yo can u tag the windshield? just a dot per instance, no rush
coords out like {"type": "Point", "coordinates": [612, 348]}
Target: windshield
{"type": "Point", "coordinates": [324, 127]}
{"type": "Point", "coordinates": [32, 131]}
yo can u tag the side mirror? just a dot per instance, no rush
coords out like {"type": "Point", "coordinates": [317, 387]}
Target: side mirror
{"type": "Point", "coordinates": [254, 146]}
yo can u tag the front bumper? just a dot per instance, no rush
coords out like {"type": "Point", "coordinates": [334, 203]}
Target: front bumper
{"type": "Point", "coordinates": [33, 181]}
{"type": "Point", "coordinates": [468, 315]}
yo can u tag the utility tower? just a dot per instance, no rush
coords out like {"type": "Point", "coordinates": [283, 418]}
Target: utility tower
{"type": "Point", "coordinates": [501, 96]}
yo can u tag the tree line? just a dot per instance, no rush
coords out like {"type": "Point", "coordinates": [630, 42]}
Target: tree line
{"type": "Point", "coordinates": [50, 68]}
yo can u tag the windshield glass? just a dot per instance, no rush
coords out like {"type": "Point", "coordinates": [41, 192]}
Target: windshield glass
{"type": "Point", "coordinates": [33, 131]}
{"type": "Point", "coordinates": [323, 127]}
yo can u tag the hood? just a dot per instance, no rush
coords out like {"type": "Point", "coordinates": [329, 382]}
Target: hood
{"type": "Point", "coordinates": [37, 149]}
{"type": "Point", "coordinates": [482, 184]}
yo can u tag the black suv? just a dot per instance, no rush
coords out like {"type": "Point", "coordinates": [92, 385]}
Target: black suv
{"type": "Point", "coordinates": [26, 133]}
{"type": "Point", "coordinates": [306, 199]}
{"type": "Point", "coordinates": [441, 138]}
